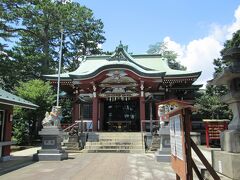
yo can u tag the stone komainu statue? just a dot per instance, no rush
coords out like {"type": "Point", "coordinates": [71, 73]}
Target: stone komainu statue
{"type": "Point", "coordinates": [53, 118]}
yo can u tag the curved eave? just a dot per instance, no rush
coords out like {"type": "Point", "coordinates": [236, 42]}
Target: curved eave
{"type": "Point", "coordinates": [64, 76]}
{"type": "Point", "coordinates": [118, 66]}
{"type": "Point", "coordinates": [20, 104]}
{"type": "Point", "coordinates": [194, 75]}
{"type": "Point", "coordinates": [193, 87]}
{"type": "Point", "coordinates": [50, 78]}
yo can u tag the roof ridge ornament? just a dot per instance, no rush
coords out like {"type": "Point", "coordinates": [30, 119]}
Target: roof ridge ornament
{"type": "Point", "coordinates": [120, 53]}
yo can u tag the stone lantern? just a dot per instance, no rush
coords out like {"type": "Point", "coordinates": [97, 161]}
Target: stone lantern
{"type": "Point", "coordinates": [227, 161]}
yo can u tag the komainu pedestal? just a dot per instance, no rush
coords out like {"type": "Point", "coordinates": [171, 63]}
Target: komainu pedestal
{"type": "Point", "coordinates": [163, 154]}
{"type": "Point", "coordinates": [51, 145]}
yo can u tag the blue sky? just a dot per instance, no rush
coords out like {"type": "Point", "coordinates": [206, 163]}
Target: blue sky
{"type": "Point", "coordinates": [140, 23]}
{"type": "Point", "coordinates": [196, 30]}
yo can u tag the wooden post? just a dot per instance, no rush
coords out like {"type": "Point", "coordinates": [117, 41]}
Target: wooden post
{"type": "Point", "coordinates": [95, 114]}
{"type": "Point", "coordinates": [151, 117]}
{"type": "Point", "coordinates": [186, 121]}
{"type": "Point", "coordinates": [207, 134]}
{"type": "Point", "coordinates": [142, 112]}
{"type": "Point", "coordinates": [75, 110]}
{"type": "Point", "coordinates": [204, 161]}
{"type": "Point", "coordinates": [7, 133]}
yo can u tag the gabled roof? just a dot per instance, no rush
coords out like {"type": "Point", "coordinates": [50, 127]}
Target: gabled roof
{"type": "Point", "coordinates": [143, 65]}
{"type": "Point", "coordinates": [10, 99]}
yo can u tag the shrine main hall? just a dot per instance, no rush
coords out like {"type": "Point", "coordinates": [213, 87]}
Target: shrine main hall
{"type": "Point", "coordinates": [119, 92]}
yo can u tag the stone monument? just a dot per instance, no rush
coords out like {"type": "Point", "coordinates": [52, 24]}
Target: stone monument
{"type": "Point", "coordinates": [51, 137]}
{"type": "Point", "coordinates": [227, 161]}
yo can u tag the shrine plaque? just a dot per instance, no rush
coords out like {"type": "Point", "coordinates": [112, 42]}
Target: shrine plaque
{"type": "Point", "coordinates": [49, 142]}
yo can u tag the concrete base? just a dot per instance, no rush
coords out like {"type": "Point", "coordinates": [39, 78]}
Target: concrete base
{"type": "Point", "coordinates": [148, 140]}
{"type": "Point", "coordinates": [50, 155]}
{"type": "Point", "coordinates": [164, 152]}
{"type": "Point", "coordinates": [230, 141]}
{"type": "Point", "coordinates": [5, 158]}
{"type": "Point", "coordinates": [196, 137]}
{"type": "Point", "coordinates": [227, 163]}
{"type": "Point", "coordinates": [51, 145]}
{"type": "Point", "coordinates": [162, 156]}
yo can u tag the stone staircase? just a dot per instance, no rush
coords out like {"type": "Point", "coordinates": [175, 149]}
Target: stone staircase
{"type": "Point", "coordinates": [72, 144]}
{"type": "Point", "coordinates": [114, 142]}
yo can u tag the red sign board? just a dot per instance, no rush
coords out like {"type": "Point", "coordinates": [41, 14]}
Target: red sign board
{"type": "Point", "coordinates": [214, 128]}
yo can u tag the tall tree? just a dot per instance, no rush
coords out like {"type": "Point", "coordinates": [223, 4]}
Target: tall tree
{"type": "Point", "coordinates": [37, 25]}
{"type": "Point", "coordinates": [171, 56]}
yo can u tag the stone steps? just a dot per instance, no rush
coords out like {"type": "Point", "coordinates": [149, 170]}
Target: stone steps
{"type": "Point", "coordinates": [134, 151]}
{"type": "Point", "coordinates": [114, 142]}
{"type": "Point", "coordinates": [113, 147]}
{"type": "Point", "coordinates": [71, 144]}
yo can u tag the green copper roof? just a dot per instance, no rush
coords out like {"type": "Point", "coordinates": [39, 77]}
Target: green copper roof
{"type": "Point", "coordinates": [10, 99]}
{"type": "Point", "coordinates": [144, 65]}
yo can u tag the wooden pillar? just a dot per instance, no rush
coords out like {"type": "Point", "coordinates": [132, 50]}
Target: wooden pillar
{"type": "Point", "coordinates": [7, 132]}
{"type": "Point", "coordinates": [142, 112]}
{"type": "Point", "coordinates": [151, 117]}
{"type": "Point", "coordinates": [207, 134]}
{"type": "Point", "coordinates": [142, 107]}
{"type": "Point", "coordinates": [95, 109]}
{"type": "Point", "coordinates": [75, 110]}
{"type": "Point", "coordinates": [95, 114]}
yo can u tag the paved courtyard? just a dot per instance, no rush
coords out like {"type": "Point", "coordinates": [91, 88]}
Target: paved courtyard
{"type": "Point", "coordinates": [96, 167]}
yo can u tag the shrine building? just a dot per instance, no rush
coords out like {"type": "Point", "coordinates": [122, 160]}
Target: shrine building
{"type": "Point", "coordinates": [7, 102]}
{"type": "Point", "coordinates": [119, 91]}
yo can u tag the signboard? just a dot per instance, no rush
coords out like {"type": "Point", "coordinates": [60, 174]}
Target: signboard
{"type": "Point", "coordinates": [176, 136]}
{"type": "Point", "coordinates": [214, 128]}
{"type": "Point", "coordinates": [179, 158]}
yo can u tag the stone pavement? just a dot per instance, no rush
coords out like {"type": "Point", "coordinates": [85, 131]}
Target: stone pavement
{"type": "Point", "coordinates": [96, 166]}
{"type": "Point", "coordinates": [18, 160]}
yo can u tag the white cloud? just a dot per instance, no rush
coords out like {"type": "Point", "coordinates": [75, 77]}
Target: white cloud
{"type": "Point", "coordinates": [236, 25]}
{"type": "Point", "coordinates": [198, 54]}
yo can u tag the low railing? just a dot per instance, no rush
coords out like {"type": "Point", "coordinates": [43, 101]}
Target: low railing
{"type": "Point", "coordinates": [79, 126]}
{"type": "Point", "coordinates": [150, 126]}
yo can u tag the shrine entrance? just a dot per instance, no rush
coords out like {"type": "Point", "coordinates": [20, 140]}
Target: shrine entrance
{"type": "Point", "coordinates": [121, 116]}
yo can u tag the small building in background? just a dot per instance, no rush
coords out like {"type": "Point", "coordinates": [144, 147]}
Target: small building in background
{"type": "Point", "coordinates": [7, 102]}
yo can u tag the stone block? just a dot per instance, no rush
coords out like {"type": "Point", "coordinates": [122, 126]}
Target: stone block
{"type": "Point", "coordinates": [230, 141]}
{"type": "Point", "coordinates": [227, 163]}
{"type": "Point", "coordinates": [196, 137]}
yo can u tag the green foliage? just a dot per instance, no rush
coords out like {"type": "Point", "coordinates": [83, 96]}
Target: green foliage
{"type": "Point", "coordinates": [28, 122]}
{"type": "Point", "coordinates": [234, 42]}
{"type": "Point", "coordinates": [171, 56]}
{"type": "Point", "coordinates": [209, 103]}
{"type": "Point", "coordinates": [66, 104]}
{"type": "Point", "coordinates": [36, 24]}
